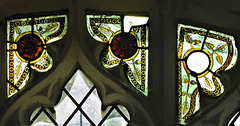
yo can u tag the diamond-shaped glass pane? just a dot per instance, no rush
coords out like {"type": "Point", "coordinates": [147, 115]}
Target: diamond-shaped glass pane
{"type": "Point", "coordinates": [124, 111]}
{"type": "Point", "coordinates": [78, 86]}
{"type": "Point", "coordinates": [79, 120]}
{"type": "Point", "coordinates": [64, 109]}
{"type": "Point", "coordinates": [34, 113]}
{"type": "Point", "coordinates": [115, 119]}
{"type": "Point", "coordinates": [42, 120]}
{"type": "Point", "coordinates": [92, 107]}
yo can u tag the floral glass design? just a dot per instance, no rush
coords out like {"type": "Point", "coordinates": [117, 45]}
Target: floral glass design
{"type": "Point", "coordinates": [126, 44]}
{"type": "Point", "coordinates": [30, 47]}
{"type": "Point", "coordinates": [80, 106]}
{"type": "Point", "coordinates": [202, 55]}
{"type": "Point", "coordinates": [27, 41]}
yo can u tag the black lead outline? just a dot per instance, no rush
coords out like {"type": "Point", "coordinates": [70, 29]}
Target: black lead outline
{"type": "Point", "coordinates": [198, 83]}
{"type": "Point", "coordinates": [44, 46]}
{"type": "Point", "coordinates": [46, 113]}
{"type": "Point", "coordinates": [64, 90]}
{"type": "Point", "coordinates": [81, 110]}
{"type": "Point", "coordinates": [204, 41]}
{"type": "Point", "coordinates": [208, 68]}
{"type": "Point", "coordinates": [138, 47]}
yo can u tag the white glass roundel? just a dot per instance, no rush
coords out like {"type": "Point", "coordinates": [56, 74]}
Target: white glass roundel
{"type": "Point", "coordinates": [198, 62]}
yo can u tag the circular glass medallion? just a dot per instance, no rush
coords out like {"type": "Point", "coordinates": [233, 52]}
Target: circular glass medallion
{"type": "Point", "coordinates": [124, 46]}
{"type": "Point", "coordinates": [30, 47]}
{"type": "Point", "coordinates": [198, 62]}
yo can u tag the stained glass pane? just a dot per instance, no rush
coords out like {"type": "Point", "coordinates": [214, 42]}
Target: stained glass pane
{"type": "Point", "coordinates": [98, 26]}
{"type": "Point", "coordinates": [79, 120]}
{"type": "Point", "coordinates": [64, 109]}
{"type": "Point", "coordinates": [41, 119]}
{"type": "Point", "coordinates": [34, 113]}
{"type": "Point", "coordinates": [92, 107]}
{"type": "Point", "coordinates": [79, 105]}
{"type": "Point", "coordinates": [115, 119]}
{"type": "Point", "coordinates": [124, 111]}
{"type": "Point", "coordinates": [27, 40]}
{"type": "Point", "coordinates": [78, 84]}
{"type": "Point", "coordinates": [202, 55]}
{"type": "Point", "coordinates": [126, 40]}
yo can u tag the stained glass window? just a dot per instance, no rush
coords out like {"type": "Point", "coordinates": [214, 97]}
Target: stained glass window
{"type": "Point", "coordinates": [80, 106]}
{"type": "Point", "coordinates": [27, 41]}
{"type": "Point", "coordinates": [202, 55]}
{"type": "Point", "coordinates": [126, 44]}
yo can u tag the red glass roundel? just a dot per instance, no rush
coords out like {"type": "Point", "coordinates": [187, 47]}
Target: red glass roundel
{"type": "Point", "coordinates": [124, 45]}
{"type": "Point", "coordinates": [30, 47]}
